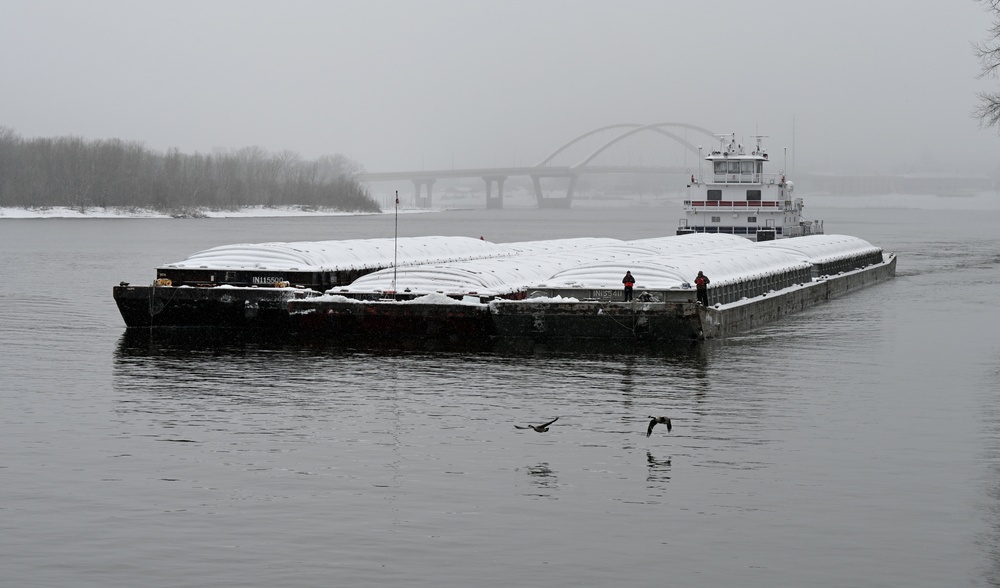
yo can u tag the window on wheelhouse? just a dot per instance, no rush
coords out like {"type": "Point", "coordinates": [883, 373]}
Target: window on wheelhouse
{"type": "Point", "coordinates": [753, 195]}
{"type": "Point", "coordinates": [715, 194]}
{"type": "Point", "coordinates": [751, 219]}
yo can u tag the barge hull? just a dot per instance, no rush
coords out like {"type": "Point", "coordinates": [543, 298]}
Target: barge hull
{"type": "Point", "coordinates": [228, 308]}
{"type": "Point", "coordinates": [284, 311]}
{"type": "Point", "coordinates": [541, 321]}
{"type": "Point", "coordinates": [367, 321]}
{"type": "Point", "coordinates": [736, 318]}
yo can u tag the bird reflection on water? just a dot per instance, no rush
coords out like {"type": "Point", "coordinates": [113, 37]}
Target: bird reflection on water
{"type": "Point", "coordinates": [659, 468]}
{"type": "Point", "coordinates": [544, 479]}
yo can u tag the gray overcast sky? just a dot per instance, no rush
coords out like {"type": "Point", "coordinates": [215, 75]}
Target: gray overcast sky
{"type": "Point", "coordinates": [397, 85]}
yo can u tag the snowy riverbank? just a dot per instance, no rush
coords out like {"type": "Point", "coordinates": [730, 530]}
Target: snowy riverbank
{"type": "Point", "coordinates": [249, 212]}
{"type": "Point", "coordinates": [980, 201]}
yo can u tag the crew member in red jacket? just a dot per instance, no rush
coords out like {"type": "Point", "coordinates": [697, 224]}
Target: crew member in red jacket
{"type": "Point", "coordinates": [701, 283]}
{"type": "Point", "coordinates": [629, 281]}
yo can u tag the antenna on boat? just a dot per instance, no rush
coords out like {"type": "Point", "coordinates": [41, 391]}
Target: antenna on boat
{"type": "Point", "coordinates": [395, 248]}
{"type": "Point", "coordinates": [722, 141]}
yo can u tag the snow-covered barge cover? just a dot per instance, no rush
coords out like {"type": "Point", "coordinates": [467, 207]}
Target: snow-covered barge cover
{"type": "Point", "coordinates": [356, 254]}
{"type": "Point", "coordinates": [735, 273]}
{"type": "Point", "coordinates": [565, 267]}
{"type": "Point", "coordinates": [828, 254]}
{"type": "Point", "coordinates": [679, 271]}
{"type": "Point", "coordinates": [537, 263]}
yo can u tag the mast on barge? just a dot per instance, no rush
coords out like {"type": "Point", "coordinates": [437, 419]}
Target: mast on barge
{"type": "Point", "coordinates": [738, 198]}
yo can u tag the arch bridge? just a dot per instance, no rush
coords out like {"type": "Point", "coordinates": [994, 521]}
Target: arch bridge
{"type": "Point", "coordinates": [423, 181]}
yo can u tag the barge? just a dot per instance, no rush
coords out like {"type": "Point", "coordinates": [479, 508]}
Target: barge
{"type": "Point", "coordinates": [749, 288]}
{"type": "Point", "coordinates": [580, 297]}
{"type": "Point", "coordinates": [248, 286]}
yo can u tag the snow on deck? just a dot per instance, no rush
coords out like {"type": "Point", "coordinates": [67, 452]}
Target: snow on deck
{"type": "Point", "coordinates": [499, 276]}
{"type": "Point", "coordinates": [679, 271]}
{"type": "Point", "coordinates": [341, 255]}
{"type": "Point", "coordinates": [823, 248]}
{"type": "Point", "coordinates": [464, 265]}
{"type": "Point", "coordinates": [555, 245]}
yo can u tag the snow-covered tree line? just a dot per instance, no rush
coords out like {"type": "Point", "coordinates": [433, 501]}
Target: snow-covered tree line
{"type": "Point", "coordinates": [70, 171]}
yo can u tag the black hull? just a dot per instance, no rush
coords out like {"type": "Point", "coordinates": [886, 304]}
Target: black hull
{"type": "Point", "coordinates": [377, 323]}
{"type": "Point", "coordinates": [229, 308]}
{"type": "Point", "coordinates": [608, 321]}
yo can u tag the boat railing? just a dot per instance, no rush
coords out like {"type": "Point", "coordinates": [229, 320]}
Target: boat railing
{"type": "Point", "coordinates": [741, 204]}
{"type": "Point", "coordinates": [747, 178]}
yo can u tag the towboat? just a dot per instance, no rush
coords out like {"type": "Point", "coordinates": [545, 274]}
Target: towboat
{"type": "Point", "coordinates": [736, 197]}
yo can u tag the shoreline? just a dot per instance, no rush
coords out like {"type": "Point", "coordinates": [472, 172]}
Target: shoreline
{"type": "Point", "coordinates": [97, 212]}
{"type": "Point", "coordinates": [982, 201]}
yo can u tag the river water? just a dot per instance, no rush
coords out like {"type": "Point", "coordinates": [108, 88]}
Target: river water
{"type": "Point", "coordinates": [855, 444]}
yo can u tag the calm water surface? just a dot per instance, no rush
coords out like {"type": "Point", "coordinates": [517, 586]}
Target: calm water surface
{"type": "Point", "coordinates": [856, 444]}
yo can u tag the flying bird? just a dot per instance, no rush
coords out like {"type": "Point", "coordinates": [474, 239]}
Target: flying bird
{"type": "Point", "coordinates": [538, 428]}
{"type": "Point", "coordinates": [657, 420]}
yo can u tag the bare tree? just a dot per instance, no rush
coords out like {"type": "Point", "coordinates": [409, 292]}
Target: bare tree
{"type": "Point", "coordinates": [334, 167]}
{"type": "Point", "coordinates": [988, 52]}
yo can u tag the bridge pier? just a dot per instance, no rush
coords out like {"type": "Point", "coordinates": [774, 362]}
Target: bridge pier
{"type": "Point", "coordinates": [492, 202]}
{"type": "Point", "coordinates": [544, 202]}
{"type": "Point", "coordinates": [422, 201]}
